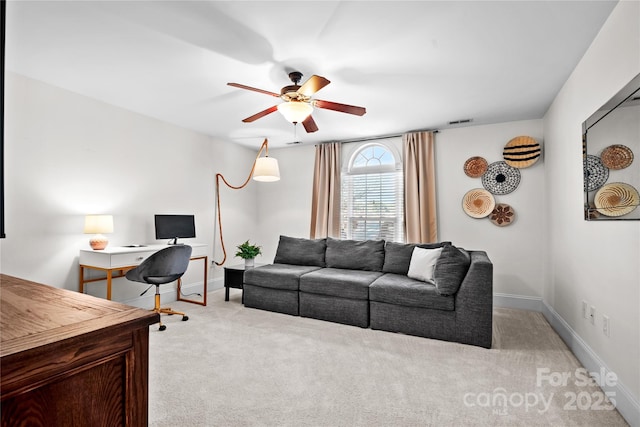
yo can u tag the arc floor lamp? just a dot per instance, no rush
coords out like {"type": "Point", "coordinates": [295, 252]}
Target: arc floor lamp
{"type": "Point", "coordinates": [264, 169]}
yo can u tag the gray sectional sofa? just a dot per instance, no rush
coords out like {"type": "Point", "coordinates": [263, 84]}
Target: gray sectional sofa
{"type": "Point", "coordinates": [373, 284]}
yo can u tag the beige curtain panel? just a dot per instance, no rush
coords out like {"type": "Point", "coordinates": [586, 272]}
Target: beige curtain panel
{"type": "Point", "coordinates": [419, 188]}
{"type": "Point", "coordinates": [325, 205]}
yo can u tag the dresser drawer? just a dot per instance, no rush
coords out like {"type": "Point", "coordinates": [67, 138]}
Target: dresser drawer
{"type": "Point", "coordinates": [134, 258]}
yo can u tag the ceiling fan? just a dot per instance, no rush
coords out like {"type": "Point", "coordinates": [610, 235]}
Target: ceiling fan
{"type": "Point", "coordinates": [298, 104]}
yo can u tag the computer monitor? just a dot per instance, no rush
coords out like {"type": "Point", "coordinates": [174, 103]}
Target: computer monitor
{"type": "Point", "coordinates": [174, 227]}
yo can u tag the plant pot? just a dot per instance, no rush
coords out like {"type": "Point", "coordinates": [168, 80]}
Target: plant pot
{"type": "Point", "coordinates": [249, 262]}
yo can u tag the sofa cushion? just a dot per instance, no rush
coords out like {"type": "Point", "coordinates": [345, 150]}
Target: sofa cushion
{"type": "Point", "coordinates": [451, 269]}
{"type": "Point", "coordinates": [423, 262]}
{"type": "Point", "coordinates": [365, 255]}
{"type": "Point", "coordinates": [401, 290]}
{"type": "Point", "coordinates": [337, 282]}
{"type": "Point", "coordinates": [277, 276]}
{"type": "Point", "coordinates": [299, 251]}
{"type": "Point", "coordinates": [397, 256]}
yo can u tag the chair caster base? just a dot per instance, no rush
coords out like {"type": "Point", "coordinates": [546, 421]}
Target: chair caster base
{"type": "Point", "coordinates": [162, 327]}
{"type": "Point", "coordinates": [185, 318]}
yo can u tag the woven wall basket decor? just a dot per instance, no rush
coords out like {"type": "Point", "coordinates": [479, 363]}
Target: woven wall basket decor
{"type": "Point", "coordinates": [502, 215]}
{"type": "Point", "coordinates": [475, 166]}
{"type": "Point", "coordinates": [500, 178]}
{"type": "Point", "coordinates": [478, 203]}
{"type": "Point", "coordinates": [521, 152]}
{"type": "Point", "coordinates": [616, 199]}
{"type": "Point", "coordinates": [616, 156]}
{"type": "Point", "coordinates": [595, 173]}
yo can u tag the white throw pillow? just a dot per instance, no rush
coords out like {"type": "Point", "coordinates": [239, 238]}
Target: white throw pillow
{"type": "Point", "coordinates": [423, 263]}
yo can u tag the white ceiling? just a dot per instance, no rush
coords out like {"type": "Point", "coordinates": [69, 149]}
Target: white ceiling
{"type": "Point", "coordinates": [412, 64]}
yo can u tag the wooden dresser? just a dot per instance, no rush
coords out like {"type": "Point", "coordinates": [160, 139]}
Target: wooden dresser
{"type": "Point", "coordinates": [68, 359]}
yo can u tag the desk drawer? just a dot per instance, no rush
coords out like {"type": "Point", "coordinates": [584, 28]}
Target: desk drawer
{"type": "Point", "coordinates": [127, 256]}
{"type": "Point", "coordinates": [134, 258]}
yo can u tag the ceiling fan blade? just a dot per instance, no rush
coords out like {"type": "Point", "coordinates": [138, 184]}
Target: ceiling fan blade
{"type": "Point", "coordinates": [260, 114]}
{"type": "Point", "coordinates": [343, 108]}
{"type": "Point", "coordinates": [266, 92]}
{"type": "Point", "coordinates": [314, 84]}
{"type": "Point", "coordinates": [309, 124]}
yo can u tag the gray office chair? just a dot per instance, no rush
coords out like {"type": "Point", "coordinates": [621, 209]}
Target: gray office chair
{"type": "Point", "coordinates": [164, 266]}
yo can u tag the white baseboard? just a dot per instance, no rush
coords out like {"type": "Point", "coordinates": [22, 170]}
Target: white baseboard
{"type": "Point", "coordinates": [215, 284]}
{"type": "Point", "coordinates": [626, 403]}
{"type": "Point", "coordinates": [517, 301]}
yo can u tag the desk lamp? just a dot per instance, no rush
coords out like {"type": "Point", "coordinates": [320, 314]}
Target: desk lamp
{"type": "Point", "coordinates": [98, 224]}
{"type": "Point", "coordinates": [264, 169]}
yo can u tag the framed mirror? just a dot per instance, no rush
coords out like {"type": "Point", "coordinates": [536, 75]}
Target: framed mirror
{"type": "Point", "coordinates": [611, 158]}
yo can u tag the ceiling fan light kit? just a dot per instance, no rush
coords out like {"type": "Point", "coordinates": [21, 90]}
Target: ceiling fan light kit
{"type": "Point", "coordinates": [295, 111]}
{"type": "Point", "coordinates": [298, 104]}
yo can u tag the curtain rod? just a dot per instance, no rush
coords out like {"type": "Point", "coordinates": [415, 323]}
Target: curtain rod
{"type": "Point", "coordinates": [373, 138]}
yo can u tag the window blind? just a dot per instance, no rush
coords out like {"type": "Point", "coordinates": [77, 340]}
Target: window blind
{"type": "Point", "coordinates": [372, 206]}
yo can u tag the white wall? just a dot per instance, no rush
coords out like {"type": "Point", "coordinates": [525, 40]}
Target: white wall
{"type": "Point", "coordinates": [594, 261]}
{"type": "Point", "coordinates": [515, 250]}
{"type": "Point", "coordinates": [285, 205]}
{"type": "Point", "coordinates": [67, 155]}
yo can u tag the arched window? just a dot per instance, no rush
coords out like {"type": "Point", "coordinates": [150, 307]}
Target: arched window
{"type": "Point", "coordinates": [372, 195]}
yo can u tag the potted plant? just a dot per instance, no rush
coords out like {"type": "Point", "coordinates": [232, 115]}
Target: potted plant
{"type": "Point", "coordinates": [248, 252]}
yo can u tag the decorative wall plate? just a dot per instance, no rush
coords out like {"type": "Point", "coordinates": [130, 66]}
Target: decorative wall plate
{"type": "Point", "coordinates": [616, 199]}
{"type": "Point", "coordinates": [502, 215]}
{"type": "Point", "coordinates": [521, 152]}
{"type": "Point", "coordinates": [595, 173]}
{"type": "Point", "coordinates": [478, 203]}
{"type": "Point", "coordinates": [475, 166]}
{"type": "Point", "coordinates": [616, 156]}
{"type": "Point", "coordinates": [500, 178]}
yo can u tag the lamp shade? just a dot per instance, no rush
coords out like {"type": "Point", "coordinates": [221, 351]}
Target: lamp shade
{"type": "Point", "coordinates": [98, 224]}
{"type": "Point", "coordinates": [266, 169]}
{"type": "Point", "coordinates": [295, 111]}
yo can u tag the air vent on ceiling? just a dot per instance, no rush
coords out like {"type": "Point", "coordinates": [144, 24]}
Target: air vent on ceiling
{"type": "Point", "coordinates": [458, 122]}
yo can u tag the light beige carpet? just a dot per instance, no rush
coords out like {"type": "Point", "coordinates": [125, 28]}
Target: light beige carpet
{"type": "Point", "coordinates": [234, 366]}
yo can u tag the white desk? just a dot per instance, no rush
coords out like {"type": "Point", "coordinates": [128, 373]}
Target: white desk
{"type": "Point", "coordinates": [121, 259]}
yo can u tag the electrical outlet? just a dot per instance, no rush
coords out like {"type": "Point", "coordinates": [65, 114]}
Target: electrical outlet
{"type": "Point", "coordinates": [592, 315]}
{"type": "Point", "coordinates": [605, 325]}
{"type": "Point", "coordinates": [585, 309]}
